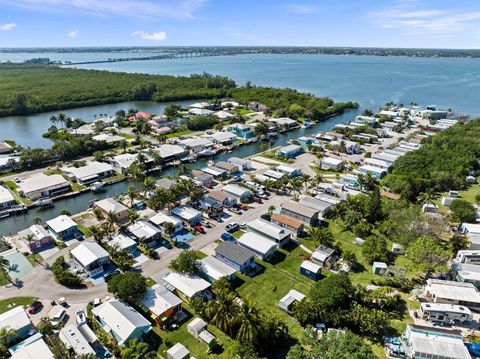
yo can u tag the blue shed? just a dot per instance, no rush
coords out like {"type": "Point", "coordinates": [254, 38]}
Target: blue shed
{"type": "Point", "coordinates": [311, 270]}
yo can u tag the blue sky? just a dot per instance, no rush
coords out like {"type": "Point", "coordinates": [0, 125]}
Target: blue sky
{"type": "Point", "coordinates": [383, 23]}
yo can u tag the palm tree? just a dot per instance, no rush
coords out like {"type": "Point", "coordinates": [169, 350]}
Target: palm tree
{"type": "Point", "coordinates": [249, 323]}
{"type": "Point", "coordinates": [317, 179]}
{"type": "Point", "coordinates": [428, 197]}
{"type": "Point", "coordinates": [111, 220]}
{"type": "Point", "coordinates": [306, 180]}
{"type": "Point", "coordinates": [124, 144]}
{"type": "Point", "coordinates": [36, 220]}
{"type": "Point", "coordinates": [97, 234]}
{"type": "Point", "coordinates": [149, 184]}
{"type": "Point", "coordinates": [7, 333]}
{"type": "Point", "coordinates": [4, 267]}
{"type": "Point", "coordinates": [195, 195]}
{"type": "Point", "coordinates": [135, 173]}
{"type": "Point", "coordinates": [271, 209]}
{"type": "Point", "coordinates": [132, 216]}
{"type": "Point", "coordinates": [295, 186]}
{"type": "Point", "coordinates": [337, 211]}
{"type": "Point", "coordinates": [223, 310]}
{"type": "Point", "coordinates": [158, 200]}
{"type": "Point", "coordinates": [131, 194]}
{"type": "Point", "coordinates": [320, 236]}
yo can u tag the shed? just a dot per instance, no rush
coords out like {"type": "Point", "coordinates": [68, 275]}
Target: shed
{"type": "Point", "coordinates": [358, 241]}
{"type": "Point", "coordinates": [447, 201]}
{"type": "Point", "coordinates": [311, 270]}
{"type": "Point", "coordinates": [196, 326]}
{"type": "Point", "coordinates": [178, 351]}
{"type": "Point", "coordinates": [379, 267]}
{"type": "Point", "coordinates": [398, 248]}
{"type": "Point", "coordinates": [291, 297]}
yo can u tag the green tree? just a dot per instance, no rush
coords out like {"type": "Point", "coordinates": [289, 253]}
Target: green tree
{"type": "Point", "coordinates": [186, 262]}
{"type": "Point", "coordinates": [223, 311]}
{"type": "Point", "coordinates": [136, 349]}
{"type": "Point", "coordinates": [374, 249]}
{"type": "Point", "coordinates": [248, 321]}
{"type": "Point", "coordinates": [131, 194]}
{"type": "Point", "coordinates": [462, 211]}
{"type": "Point", "coordinates": [320, 236]}
{"type": "Point", "coordinates": [130, 286]}
{"type": "Point", "coordinates": [427, 255]}
{"type": "Point", "coordinates": [4, 268]}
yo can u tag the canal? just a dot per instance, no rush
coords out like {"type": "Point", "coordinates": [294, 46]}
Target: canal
{"type": "Point", "coordinates": [80, 203]}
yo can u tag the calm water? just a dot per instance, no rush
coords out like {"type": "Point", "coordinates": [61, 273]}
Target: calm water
{"type": "Point", "coordinates": [80, 203]}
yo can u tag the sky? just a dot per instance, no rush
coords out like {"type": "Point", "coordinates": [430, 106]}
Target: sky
{"type": "Point", "coordinates": [361, 23]}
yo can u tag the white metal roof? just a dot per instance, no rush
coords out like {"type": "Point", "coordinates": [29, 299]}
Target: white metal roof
{"type": "Point", "coordinates": [169, 150]}
{"type": "Point", "coordinates": [286, 149]}
{"type": "Point", "coordinates": [331, 161]}
{"type": "Point", "coordinates": [90, 169]}
{"type": "Point", "coordinates": [221, 136]}
{"type": "Point", "coordinates": [256, 242]}
{"type": "Point", "coordinates": [37, 231]}
{"type": "Point", "coordinates": [178, 351]}
{"type": "Point", "coordinates": [35, 350]}
{"type": "Point", "coordinates": [15, 318]}
{"type": "Point", "coordinates": [125, 160]}
{"type": "Point", "coordinates": [286, 169]}
{"type": "Point", "coordinates": [188, 285]}
{"type": "Point", "coordinates": [215, 268]}
{"type": "Point", "coordinates": [310, 266]}
{"type": "Point", "coordinates": [442, 307]}
{"type": "Point", "coordinates": [236, 190]}
{"type": "Point", "coordinates": [377, 163]}
{"type": "Point", "coordinates": [88, 252]}
{"type": "Point", "coordinates": [107, 138]}
{"type": "Point", "coordinates": [197, 142]}
{"type": "Point", "coordinates": [197, 324]}
{"type": "Point", "coordinates": [143, 228]}
{"type": "Point", "coordinates": [292, 296]}
{"type": "Point", "coordinates": [160, 218]}
{"type": "Point", "coordinates": [223, 114]}
{"type": "Point", "coordinates": [111, 205]}
{"type": "Point", "coordinates": [214, 171]}
{"type": "Point", "coordinates": [72, 338]}
{"type": "Point", "coordinates": [453, 290]}
{"type": "Point", "coordinates": [121, 241]}
{"type": "Point", "coordinates": [268, 228]}
{"type": "Point", "coordinates": [61, 223]}
{"type": "Point", "coordinates": [283, 121]}
{"type": "Point", "coordinates": [5, 195]}
{"type": "Point", "coordinates": [274, 174]}
{"type": "Point", "coordinates": [187, 213]}
{"type": "Point", "coordinates": [159, 299]}
{"type": "Point", "coordinates": [41, 182]}
{"type": "Point", "coordinates": [200, 111]}
{"type": "Point", "coordinates": [121, 318]}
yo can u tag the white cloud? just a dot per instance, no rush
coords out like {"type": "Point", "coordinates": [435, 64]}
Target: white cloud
{"type": "Point", "coordinates": [72, 34]}
{"type": "Point", "coordinates": [7, 27]}
{"type": "Point", "coordinates": [412, 21]}
{"type": "Point", "coordinates": [176, 9]}
{"type": "Point", "coordinates": [299, 9]}
{"type": "Point", "coordinates": [151, 36]}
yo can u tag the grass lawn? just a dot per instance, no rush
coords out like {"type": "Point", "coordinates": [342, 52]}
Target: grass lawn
{"type": "Point", "coordinates": [198, 350]}
{"type": "Point", "coordinates": [271, 155]}
{"type": "Point", "coordinates": [242, 111]}
{"type": "Point", "coordinates": [13, 186]}
{"type": "Point", "coordinates": [76, 186]}
{"type": "Point", "coordinates": [238, 234]}
{"type": "Point", "coordinates": [34, 258]}
{"type": "Point", "coordinates": [9, 303]}
{"type": "Point", "coordinates": [150, 282]}
{"type": "Point", "coordinates": [113, 178]}
{"type": "Point", "coordinates": [179, 133]}
{"type": "Point", "coordinates": [128, 136]}
{"type": "Point", "coordinates": [265, 289]}
{"type": "Point", "coordinates": [85, 231]}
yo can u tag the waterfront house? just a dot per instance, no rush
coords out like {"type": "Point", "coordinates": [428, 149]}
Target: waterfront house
{"type": "Point", "coordinates": [33, 347]}
{"type": "Point", "coordinates": [227, 166]}
{"type": "Point", "coordinates": [41, 185]}
{"type": "Point", "coordinates": [311, 270]}
{"type": "Point", "coordinates": [223, 115]}
{"type": "Point", "coordinates": [441, 314]}
{"type": "Point", "coordinates": [120, 321]}
{"type": "Point", "coordinates": [222, 138]}
{"type": "Point", "coordinates": [108, 138]}
{"type": "Point", "coordinates": [449, 292]}
{"type": "Point", "coordinates": [160, 219]}
{"type": "Point", "coordinates": [17, 320]}
{"type": "Point", "coordinates": [121, 163]}
{"type": "Point", "coordinates": [74, 340]}
{"type": "Point", "coordinates": [90, 173]}
{"type": "Point", "coordinates": [202, 177]}
{"type": "Point", "coordinates": [215, 172]}
{"type": "Point", "coordinates": [298, 211]}
{"type": "Point", "coordinates": [187, 214]}
{"type": "Point", "coordinates": [35, 238]}
{"type": "Point", "coordinates": [63, 227]}
{"type": "Point", "coordinates": [241, 130]}
{"type": "Point", "coordinates": [290, 151]}
{"type": "Point", "coordinates": [200, 112]}
{"type": "Point", "coordinates": [213, 269]}
{"type": "Point", "coordinates": [170, 153]}
{"type": "Point", "coordinates": [271, 231]}
{"type": "Point", "coordinates": [166, 183]}
{"type": "Point", "coordinates": [379, 268]}
{"type": "Point", "coordinates": [178, 351]}
{"type": "Point", "coordinates": [263, 248]}
{"type": "Point", "coordinates": [240, 193]}
{"type": "Point", "coordinates": [8, 162]}
{"type": "Point", "coordinates": [6, 198]}
{"type": "Point", "coordinates": [324, 256]}
{"type": "Point", "coordinates": [144, 232]}
{"type": "Point", "coordinates": [188, 287]}
{"type": "Point", "coordinates": [295, 226]}
{"type": "Point", "coordinates": [91, 257]}
{"type": "Point", "coordinates": [284, 122]}
{"type": "Point", "coordinates": [196, 145]}
{"type": "Point", "coordinates": [242, 164]}
{"type": "Point", "coordinates": [141, 115]}
{"type": "Point", "coordinates": [203, 104]}
{"type": "Point", "coordinates": [331, 164]}
{"type": "Point", "coordinates": [322, 207]}
{"type": "Point", "coordinates": [286, 303]}
{"type": "Point", "coordinates": [123, 242]}
{"type": "Point", "coordinates": [289, 170]}
{"type": "Point", "coordinates": [161, 303]}
{"type": "Point", "coordinates": [108, 205]}
{"type": "Point", "coordinates": [235, 256]}
{"type": "Point", "coordinates": [428, 342]}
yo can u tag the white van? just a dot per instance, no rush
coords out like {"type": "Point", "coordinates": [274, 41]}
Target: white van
{"type": "Point", "coordinates": [58, 318]}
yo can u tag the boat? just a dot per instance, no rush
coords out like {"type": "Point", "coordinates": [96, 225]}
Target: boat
{"type": "Point", "coordinates": [81, 317]}
{"type": "Point", "coordinates": [210, 163]}
{"type": "Point", "coordinates": [97, 186]}
{"type": "Point", "coordinates": [206, 152]}
{"type": "Point", "coordinates": [307, 124]}
{"type": "Point", "coordinates": [43, 203]}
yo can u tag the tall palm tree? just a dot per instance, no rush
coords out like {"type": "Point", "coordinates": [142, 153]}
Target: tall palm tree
{"type": "Point", "coordinates": [131, 194]}
{"type": "Point", "coordinates": [36, 220]}
{"type": "Point", "coordinates": [133, 216]}
{"type": "Point", "coordinates": [317, 179]}
{"type": "Point", "coordinates": [149, 184]}
{"type": "Point", "coordinates": [306, 180]}
{"type": "Point", "coordinates": [249, 323]}
{"type": "Point", "coordinates": [223, 311]}
{"type": "Point", "coordinates": [428, 197]}
{"type": "Point", "coordinates": [112, 220]}
{"type": "Point", "coordinates": [97, 234]}
{"type": "Point", "coordinates": [7, 333]}
{"type": "Point", "coordinates": [337, 211]}
{"type": "Point", "coordinates": [4, 267]}
{"type": "Point", "coordinates": [320, 236]}
{"type": "Point", "coordinates": [158, 200]}
{"type": "Point", "coordinates": [135, 173]}
{"type": "Point", "coordinates": [124, 144]}
{"type": "Point", "coordinates": [295, 186]}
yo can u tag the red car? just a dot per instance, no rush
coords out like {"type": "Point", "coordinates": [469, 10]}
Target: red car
{"type": "Point", "coordinates": [199, 229]}
{"type": "Point", "coordinates": [208, 185]}
{"type": "Point", "coordinates": [34, 307]}
{"type": "Point", "coordinates": [244, 207]}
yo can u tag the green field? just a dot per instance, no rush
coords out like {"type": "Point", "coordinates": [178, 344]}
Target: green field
{"type": "Point", "coordinates": [9, 303]}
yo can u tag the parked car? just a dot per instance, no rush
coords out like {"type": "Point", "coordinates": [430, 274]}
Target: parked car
{"type": "Point", "coordinates": [166, 244]}
{"type": "Point", "coordinates": [228, 237]}
{"type": "Point", "coordinates": [58, 318]}
{"type": "Point", "coordinates": [265, 217]}
{"type": "Point", "coordinates": [232, 227]}
{"type": "Point", "coordinates": [80, 317]}
{"type": "Point", "coordinates": [257, 200]}
{"type": "Point", "coordinates": [34, 307]}
{"type": "Point", "coordinates": [199, 229]}
{"type": "Point", "coordinates": [208, 185]}
{"type": "Point", "coordinates": [244, 207]}
{"type": "Point", "coordinates": [262, 195]}
{"type": "Point", "coordinates": [235, 210]}
{"type": "Point", "coordinates": [243, 225]}
{"type": "Point", "coordinates": [205, 224]}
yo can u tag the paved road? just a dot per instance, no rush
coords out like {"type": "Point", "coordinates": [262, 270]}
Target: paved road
{"type": "Point", "coordinates": [39, 282]}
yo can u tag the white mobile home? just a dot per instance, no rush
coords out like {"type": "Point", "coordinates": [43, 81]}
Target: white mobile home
{"type": "Point", "coordinates": [262, 247]}
{"type": "Point", "coordinates": [270, 231]}
{"type": "Point", "coordinates": [41, 185]}
{"type": "Point", "coordinates": [440, 313]}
